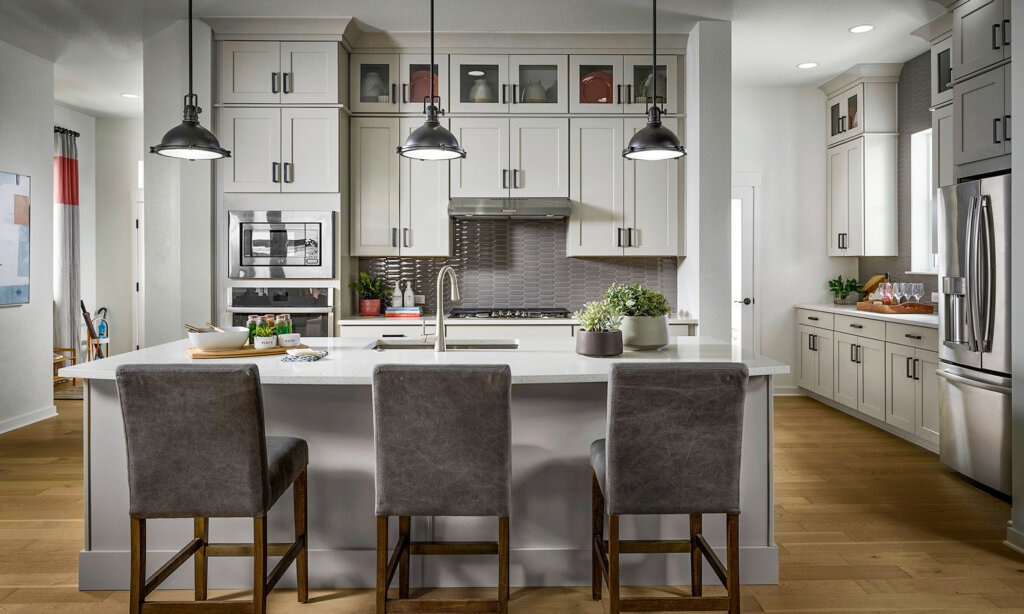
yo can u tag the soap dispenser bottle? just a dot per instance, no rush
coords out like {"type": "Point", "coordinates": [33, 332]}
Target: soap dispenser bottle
{"type": "Point", "coordinates": [409, 299]}
{"type": "Point", "coordinates": [396, 296]}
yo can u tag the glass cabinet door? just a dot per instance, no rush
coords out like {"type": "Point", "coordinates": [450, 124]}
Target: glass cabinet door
{"type": "Point", "coordinates": [835, 119]}
{"type": "Point", "coordinates": [539, 83]}
{"type": "Point", "coordinates": [415, 87]}
{"type": "Point", "coordinates": [595, 84]}
{"type": "Point", "coordinates": [480, 84]}
{"type": "Point", "coordinates": [373, 82]}
{"type": "Point", "coordinates": [640, 83]}
{"type": "Point", "coordinates": [853, 122]}
{"type": "Point", "coordinates": [942, 72]}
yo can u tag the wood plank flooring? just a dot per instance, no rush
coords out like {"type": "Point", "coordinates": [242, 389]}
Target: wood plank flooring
{"type": "Point", "coordinates": [864, 521]}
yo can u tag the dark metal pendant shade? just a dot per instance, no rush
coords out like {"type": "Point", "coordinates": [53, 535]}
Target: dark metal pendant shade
{"type": "Point", "coordinates": [654, 141]}
{"type": "Point", "coordinates": [189, 140]}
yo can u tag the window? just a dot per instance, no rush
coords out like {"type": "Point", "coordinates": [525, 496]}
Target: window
{"type": "Point", "coordinates": [923, 195]}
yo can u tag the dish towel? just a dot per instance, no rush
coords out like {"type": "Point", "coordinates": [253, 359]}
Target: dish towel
{"type": "Point", "coordinates": [305, 358]}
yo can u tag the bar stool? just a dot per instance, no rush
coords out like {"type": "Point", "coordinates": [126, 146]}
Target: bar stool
{"type": "Point", "coordinates": [197, 449]}
{"type": "Point", "coordinates": [673, 447]}
{"type": "Point", "coordinates": [442, 436]}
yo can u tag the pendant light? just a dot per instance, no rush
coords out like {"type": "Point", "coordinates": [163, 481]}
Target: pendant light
{"type": "Point", "coordinates": [431, 141]}
{"type": "Point", "coordinates": [654, 141]}
{"type": "Point", "coordinates": [189, 140]}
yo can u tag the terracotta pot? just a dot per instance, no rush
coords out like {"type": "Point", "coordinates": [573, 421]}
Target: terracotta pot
{"type": "Point", "coordinates": [644, 332]}
{"type": "Point", "coordinates": [369, 307]}
{"type": "Point", "coordinates": [598, 344]}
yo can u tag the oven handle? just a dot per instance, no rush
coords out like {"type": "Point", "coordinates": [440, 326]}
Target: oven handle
{"type": "Point", "coordinates": [279, 309]}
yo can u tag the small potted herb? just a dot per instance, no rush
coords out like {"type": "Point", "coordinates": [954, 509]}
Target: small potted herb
{"type": "Point", "coordinates": [371, 290]}
{"type": "Point", "coordinates": [645, 315]}
{"type": "Point", "coordinates": [599, 333]}
{"type": "Point", "coordinates": [842, 289]}
{"type": "Point", "coordinates": [264, 336]}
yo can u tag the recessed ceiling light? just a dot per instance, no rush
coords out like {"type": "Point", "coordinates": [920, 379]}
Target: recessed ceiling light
{"type": "Point", "coordinates": [476, 73]}
{"type": "Point", "coordinates": [129, 95]}
{"type": "Point", "coordinates": [807, 65]}
{"type": "Point", "coordinates": [862, 28]}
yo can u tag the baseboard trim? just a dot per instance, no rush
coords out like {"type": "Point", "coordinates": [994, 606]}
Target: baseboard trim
{"type": "Point", "coordinates": [914, 439]}
{"type": "Point", "coordinates": [788, 391]}
{"type": "Point", "coordinates": [31, 417]}
{"type": "Point", "coordinates": [1014, 540]}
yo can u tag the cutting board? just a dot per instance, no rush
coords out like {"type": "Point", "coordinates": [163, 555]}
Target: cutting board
{"type": "Point", "coordinates": [246, 352]}
{"type": "Point", "coordinates": [904, 309]}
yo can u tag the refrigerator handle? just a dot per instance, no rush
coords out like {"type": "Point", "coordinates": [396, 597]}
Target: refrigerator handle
{"type": "Point", "coordinates": [972, 382]}
{"type": "Point", "coordinates": [985, 260]}
{"type": "Point", "coordinates": [969, 247]}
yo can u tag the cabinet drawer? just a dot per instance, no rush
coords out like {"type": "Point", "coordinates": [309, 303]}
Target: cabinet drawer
{"type": "Point", "coordinates": [375, 332]}
{"type": "Point", "coordinates": [814, 318]}
{"type": "Point", "coordinates": [913, 336]}
{"type": "Point", "coordinates": [862, 327]}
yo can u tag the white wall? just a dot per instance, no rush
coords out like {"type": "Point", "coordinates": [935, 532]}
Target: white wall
{"type": "Point", "coordinates": [119, 147]}
{"type": "Point", "coordinates": [26, 147]}
{"type": "Point", "coordinates": [85, 126]}
{"type": "Point", "coordinates": [780, 133]}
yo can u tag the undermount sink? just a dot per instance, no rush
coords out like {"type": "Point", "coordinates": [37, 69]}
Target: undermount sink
{"type": "Point", "coordinates": [451, 344]}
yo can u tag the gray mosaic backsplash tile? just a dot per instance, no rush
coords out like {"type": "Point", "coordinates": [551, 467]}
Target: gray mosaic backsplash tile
{"type": "Point", "coordinates": [522, 263]}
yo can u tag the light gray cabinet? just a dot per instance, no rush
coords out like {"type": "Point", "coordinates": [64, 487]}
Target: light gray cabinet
{"type": "Point", "coordinates": [860, 374]}
{"type": "Point", "coordinates": [982, 126]}
{"type": "Point", "coordinates": [861, 181]}
{"type": "Point", "coordinates": [816, 360]}
{"type": "Point", "coordinates": [912, 390]}
{"type": "Point", "coordinates": [942, 72]}
{"type": "Point", "coordinates": [981, 35]}
{"type": "Point", "coordinates": [942, 146]}
{"type": "Point", "coordinates": [272, 72]}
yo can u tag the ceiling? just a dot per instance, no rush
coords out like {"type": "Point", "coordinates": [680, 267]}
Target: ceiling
{"type": "Point", "coordinates": [97, 44]}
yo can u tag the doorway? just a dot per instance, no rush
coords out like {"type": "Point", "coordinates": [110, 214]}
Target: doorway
{"type": "Point", "coordinates": [745, 309]}
{"type": "Point", "coordinates": [138, 269]}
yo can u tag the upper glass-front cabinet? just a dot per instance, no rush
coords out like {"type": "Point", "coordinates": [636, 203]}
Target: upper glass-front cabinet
{"type": "Point", "coordinates": [595, 84]}
{"type": "Point", "coordinates": [509, 84]}
{"type": "Point", "coordinates": [480, 84]}
{"type": "Point", "coordinates": [539, 83]}
{"type": "Point", "coordinates": [415, 81]}
{"type": "Point", "coordinates": [846, 115]}
{"type": "Point", "coordinates": [942, 72]}
{"type": "Point", "coordinates": [640, 83]}
{"type": "Point", "coordinates": [373, 82]}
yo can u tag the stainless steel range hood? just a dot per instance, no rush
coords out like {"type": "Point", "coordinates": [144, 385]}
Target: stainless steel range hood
{"type": "Point", "coordinates": [509, 208]}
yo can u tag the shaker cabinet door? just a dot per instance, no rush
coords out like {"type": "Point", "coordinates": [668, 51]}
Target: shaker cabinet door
{"type": "Point", "coordinates": [485, 172]}
{"type": "Point", "coordinates": [250, 72]}
{"type": "Point", "coordinates": [901, 387]}
{"type": "Point", "coordinates": [980, 38]}
{"type": "Point", "coordinates": [425, 228]}
{"type": "Point", "coordinates": [871, 390]}
{"type": "Point", "coordinates": [928, 407]}
{"type": "Point", "coordinates": [375, 187]}
{"type": "Point", "coordinates": [823, 350]}
{"type": "Point", "coordinates": [539, 157]}
{"type": "Point", "coordinates": [838, 180]}
{"type": "Point", "coordinates": [309, 72]}
{"type": "Point", "coordinates": [847, 378]}
{"type": "Point", "coordinates": [651, 202]}
{"type": "Point", "coordinates": [253, 135]}
{"type": "Point", "coordinates": [310, 144]}
{"type": "Point", "coordinates": [807, 376]}
{"type": "Point", "coordinates": [596, 224]}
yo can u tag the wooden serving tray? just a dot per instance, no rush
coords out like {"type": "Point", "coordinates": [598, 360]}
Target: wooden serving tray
{"type": "Point", "coordinates": [246, 352]}
{"type": "Point", "coordinates": [904, 309]}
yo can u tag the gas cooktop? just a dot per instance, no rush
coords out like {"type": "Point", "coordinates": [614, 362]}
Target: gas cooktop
{"type": "Point", "coordinates": [532, 313]}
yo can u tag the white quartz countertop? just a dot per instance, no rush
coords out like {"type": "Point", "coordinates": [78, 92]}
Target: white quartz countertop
{"type": "Point", "coordinates": [928, 320]}
{"type": "Point", "coordinates": [537, 361]}
{"type": "Point", "coordinates": [398, 321]}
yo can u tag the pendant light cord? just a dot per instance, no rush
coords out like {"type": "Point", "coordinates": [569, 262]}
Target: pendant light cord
{"type": "Point", "coordinates": [654, 52]}
{"type": "Point", "coordinates": [431, 67]}
{"type": "Point", "coordinates": [190, 92]}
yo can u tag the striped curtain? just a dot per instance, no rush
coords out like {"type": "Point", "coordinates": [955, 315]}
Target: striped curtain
{"type": "Point", "coordinates": [66, 316]}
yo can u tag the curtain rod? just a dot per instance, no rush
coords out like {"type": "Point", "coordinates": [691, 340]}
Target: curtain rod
{"type": "Point", "coordinates": [66, 131]}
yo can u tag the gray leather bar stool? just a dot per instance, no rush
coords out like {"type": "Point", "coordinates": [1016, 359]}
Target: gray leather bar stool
{"type": "Point", "coordinates": [673, 446]}
{"type": "Point", "coordinates": [442, 436]}
{"type": "Point", "coordinates": [197, 449]}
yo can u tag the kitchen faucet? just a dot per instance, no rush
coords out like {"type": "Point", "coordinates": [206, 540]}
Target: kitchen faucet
{"type": "Point", "coordinates": [439, 344]}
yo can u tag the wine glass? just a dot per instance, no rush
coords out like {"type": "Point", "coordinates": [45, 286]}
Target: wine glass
{"type": "Point", "coordinates": [918, 292]}
{"type": "Point", "coordinates": [897, 291]}
{"type": "Point", "coordinates": [886, 292]}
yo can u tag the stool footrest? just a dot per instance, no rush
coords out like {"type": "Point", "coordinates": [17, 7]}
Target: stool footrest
{"type": "Point", "coordinates": [453, 548]}
{"type": "Point", "coordinates": [460, 606]}
{"type": "Point", "coordinates": [652, 546]}
{"type": "Point", "coordinates": [230, 549]}
{"type": "Point", "coordinates": [674, 604]}
{"type": "Point", "coordinates": [197, 607]}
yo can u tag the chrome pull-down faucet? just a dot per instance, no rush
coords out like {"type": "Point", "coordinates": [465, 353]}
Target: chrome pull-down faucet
{"type": "Point", "coordinates": [439, 344]}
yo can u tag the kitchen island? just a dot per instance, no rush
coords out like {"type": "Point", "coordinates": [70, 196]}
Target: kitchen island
{"type": "Point", "coordinates": [558, 408]}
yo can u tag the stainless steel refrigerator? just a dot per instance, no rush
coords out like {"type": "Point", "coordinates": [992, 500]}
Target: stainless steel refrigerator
{"type": "Point", "coordinates": [974, 329]}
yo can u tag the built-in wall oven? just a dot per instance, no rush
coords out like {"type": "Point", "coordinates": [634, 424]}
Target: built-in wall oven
{"type": "Point", "coordinates": [281, 244]}
{"type": "Point", "coordinates": [311, 309]}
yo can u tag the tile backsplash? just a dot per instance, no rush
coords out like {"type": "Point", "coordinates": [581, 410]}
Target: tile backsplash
{"type": "Point", "coordinates": [522, 263]}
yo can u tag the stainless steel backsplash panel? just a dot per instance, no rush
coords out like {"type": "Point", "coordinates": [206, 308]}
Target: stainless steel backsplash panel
{"type": "Point", "coordinates": [522, 263]}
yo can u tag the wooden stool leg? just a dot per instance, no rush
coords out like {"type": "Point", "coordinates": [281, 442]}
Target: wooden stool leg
{"type": "Point", "coordinates": [138, 564]}
{"type": "Point", "coordinates": [301, 491]}
{"type": "Point", "coordinates": [503, 565]}
{"type": "Point", "coordinates": [202, 532]}
{"type": "Point", "coordinates": [733, 564]}
{"type": "Point", "coordinates": [613, 565]}
{"type": "Point", "coordinates": [382, 564]}
{"type": "Point", "coordinates": [597, 513]}
{"type": "Point", "coordinates": [403, 560]}
{"type": "Point", "coordinates": [259, 565]}
{"type": "Point", "coordinates": [696, 570]}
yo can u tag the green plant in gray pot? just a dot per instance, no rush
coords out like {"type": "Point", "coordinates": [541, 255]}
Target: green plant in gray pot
{"type": "Point", "coordinates": [599, 333]}
{"type": "Point", "coordinates": [645, 315]}
{"type": "Point", "coordinates": [844, 291]}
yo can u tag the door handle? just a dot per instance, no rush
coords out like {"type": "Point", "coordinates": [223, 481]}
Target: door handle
{"type": "Point", "coordinates": [394, 237]}
{"type": "Point", "coordinates": [986, 227]}
{"type": "Point", "coordinates": [1006, 32]}
{"type": "Point", "coordinates": [853, 352]}
{"type": "Point", "coordinates": [916, 363]}
{"type": "Point", "coordinates": [995, 130]}
{"type": "Point", "coordinates": [289, 177]}
{"type": "Point", "coordinates": [274, 88]}
{"type": "Point", "coordinates": [619, 244]}
{"type": "Point", "coordinates": [745, 301]}
{"type": "Point", "coordinates": [969, 239]}
{"type": "Point", "coordinates": [842, 124]}
{"type": "Point", "coordinates": [860, 354]}
{"type": "Point", "coordinates": [405, 237]}
{"type": "Point", "coordinates": [972, 382]}
{"type": "Point", "coordinates": [629, 93]}
{"type": "Point", "coordinates": [405, 87]}
{"type": "Point", "coordinates": [995, 36]}
{"type": "Point", "coordinates": [910, 367]}
{"type": "Point", "coordinates": [618, 93]}
{"type": "Point", "coordinates": [814, 344]}
{"type": "Point", "coordinates": [629, 237]}
{"type": "Point", "coordinates": [515, 97]}
{"type": "Point", "coordinates": [504, 178]}
{"type": "Point", "coordinates": [394, 96]}
{"type": "Point", "coordinates": [909, 336]}
{"type": "Point", "coordinates": [504, 93]}
{"type": "Point", "coordinates": [515, 178]}
{"type": "Point", "coordinates": [856, 326]}
{"type": "Point", "coordinates": [1006, 128]}
{"type": "Point", "coordinates": [813, 318]}
{"type": "Point", "coordinates": [273, 172]}
{"type": "Point", "coordinates": [284, 83]}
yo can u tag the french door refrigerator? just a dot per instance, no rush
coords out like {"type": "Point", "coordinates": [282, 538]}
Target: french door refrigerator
{"type": "Point", "coordinates": [974, 329]}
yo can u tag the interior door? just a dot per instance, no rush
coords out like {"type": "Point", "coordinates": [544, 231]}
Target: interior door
{"type": "Point", "coordinates": [310, 150]}
{"type": "Point", "coordinates": [928, 418]}
{"type": "Point", "coordinates": [485, 172]}
{"type": "Point", "coordinates": [847, 378]}
{"type": "Point", "coordinates": [745, 323]}
{"type": "Point", "coordinates": [253, 135]}
{"type": "Point", "coordinates": [651, 199]}
{"type": "Point", "coordinates": [539, 160]}
{"type": "Point", "coordinates": [375, 186]}
{"type": "Point", "coordinates": [250, 72]}
{"type": "Point", "coordinates": [901, 411]}
{"type": "Point", "coordinates": [596, 226]}
{"type": "Point", "coordinates": [871, 380]}
{"type": "Point", "coordinates": [838, 199]}
{"type": "Point", "coordinates": [423, 202]}
{"type": "Point", "coordinates": [978, 107]}
{"type": "Point", "coordinates": [807, 377]}
{"type": "Point", "coordinates": [595, 84]}
{"type": "Point", "coordinates": [978, 36]}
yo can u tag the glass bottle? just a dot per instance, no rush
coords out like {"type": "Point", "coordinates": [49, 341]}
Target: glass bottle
{"type": "Point", "coordinates": [251, 325]}
{"type": "Point", "coordinates": [283, 324]}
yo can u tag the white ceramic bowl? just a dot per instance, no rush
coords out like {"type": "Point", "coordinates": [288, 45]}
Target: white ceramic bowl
{"type": "Point", "coordinates": [233, 338]}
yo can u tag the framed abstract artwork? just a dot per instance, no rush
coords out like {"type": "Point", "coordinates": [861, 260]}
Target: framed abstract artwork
{"type": "Point", "coordinates": [15, 238]}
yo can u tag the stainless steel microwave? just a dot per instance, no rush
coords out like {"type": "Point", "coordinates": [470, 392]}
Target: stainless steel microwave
{"type": "Point", "coordinates": [281, 244]}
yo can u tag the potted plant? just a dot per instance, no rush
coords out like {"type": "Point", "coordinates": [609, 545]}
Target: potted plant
{"type": "Point", "coordinates": [645, 315]}
{"type": "Point", "coordinates": [842, 289]}
{"type": "Point", "coordinates": [371, 290]}
{"type": "Point", "coordinates": [599, 333]}
{"type": "Point", "coordinates": [264, 337]}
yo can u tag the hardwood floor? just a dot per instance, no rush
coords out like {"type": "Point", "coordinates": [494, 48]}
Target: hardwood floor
{"type": "Point", "coordinates": [864, 521]}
